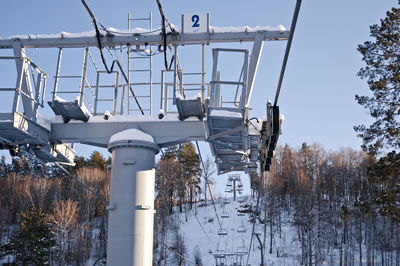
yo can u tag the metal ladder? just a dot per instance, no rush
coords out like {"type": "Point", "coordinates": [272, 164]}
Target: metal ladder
{"type": "Point", "coordinates": [143, 54]}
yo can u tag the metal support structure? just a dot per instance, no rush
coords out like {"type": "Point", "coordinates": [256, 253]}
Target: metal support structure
{"type": "Point", "coordinates": [175, 72]}
{"type": "Point", "coordinates": [134, 140]}
{"type": "Point", "coordinates": [253, 64]}
{"type": "Point", "coordinates": [234, 179]}
{"type": "Point", "coordinates": [24, 84]}
{"type": "Point", "coordinates": [131, 59]}
{"type": "Point", "coordinates": [131, 209]}
{"type": "Point", "coordinates": [83, 76]}
{"type": "Point", "coordinates": [261, 248]}
{"type": "Point", "coordinates": [155, 38]}
{"type": "Point", "coordinates": [58, 69]}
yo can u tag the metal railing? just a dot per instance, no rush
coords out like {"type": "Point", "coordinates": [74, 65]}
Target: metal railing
{"type": "Point", "coordinates": [83, 82]}
{"type": "Point", "coordinates": [240, 97]}
{"type": "Point", "coordinates": [33, 94]}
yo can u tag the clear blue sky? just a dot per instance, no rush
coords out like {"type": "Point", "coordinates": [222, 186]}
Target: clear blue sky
{"type": "Point", "coordinates": [318, 91]}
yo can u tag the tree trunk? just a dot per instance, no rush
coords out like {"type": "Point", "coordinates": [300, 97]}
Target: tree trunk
{"type": "Point", "coordinates": [270, 235]}
{"type": "Point", "coordinates": [191, 197]}
{"type": "Point", "coordinates": [360, 241]}
{"type": "Point", "coordinates": [205, 192]}
{"type": "Point", "coordinates": [309, 248]}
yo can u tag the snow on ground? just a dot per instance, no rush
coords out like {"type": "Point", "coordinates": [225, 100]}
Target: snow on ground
{"type": "Point", "coordinates": [287, 246]}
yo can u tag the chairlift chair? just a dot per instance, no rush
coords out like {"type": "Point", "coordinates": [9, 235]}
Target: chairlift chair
{"type": "Point", "coordinates": [240, 213]}
{"type": "Point", "coordinates": [241, 229]}
{"type": "Point", "coordinates": [225, 215]}
{"type": "Point", "coordinates": [228, 190]}
{"type": "Point", "coordinates": [242, 250]}
{"type": "Point", "coordinates": [222, 232]}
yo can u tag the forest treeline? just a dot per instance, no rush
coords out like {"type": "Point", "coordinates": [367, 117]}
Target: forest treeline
{"type": "Point", "coordinates": [77, 217]}
{"type": "Point", "coordinates": [344, 205]}
{"type": "Point", "coordinates": [73, 213]}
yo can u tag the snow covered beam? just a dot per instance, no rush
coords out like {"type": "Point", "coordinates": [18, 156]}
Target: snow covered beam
{"type": "Point", "coordinates": [111, 37]}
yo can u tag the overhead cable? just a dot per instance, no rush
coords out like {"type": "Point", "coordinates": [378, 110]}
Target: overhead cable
{"type": "Point", "coordinates": [255, 215]}
{"type": "Point", "coordinates": [212, 197]}
{"type": "Point", "coordinates": [208, 185]}
{"type": "Point", "coordinates": [164, 32]}
{"type": "Point", "coordinates": [98, 35]}
{"type": "Point", "coordinates": [288, 45]}
{"type": "Point", "coordinates": [170, 168]}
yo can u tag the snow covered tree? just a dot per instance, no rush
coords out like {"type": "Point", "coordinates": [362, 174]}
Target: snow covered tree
{"type": "Point", "coordinates": [33, 242]}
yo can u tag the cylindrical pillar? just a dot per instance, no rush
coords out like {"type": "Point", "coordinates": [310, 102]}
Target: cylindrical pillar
{"type": "Point", "coordinates": [131, 209]}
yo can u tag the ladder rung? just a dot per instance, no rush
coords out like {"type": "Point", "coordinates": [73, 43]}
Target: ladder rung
{"type": "Point", "coordinates": [67, 77]}
{"type": "Point", "coordinates": [199, 73]}
{"type": "Point", "coordinates": [139, 70]}
{"type": "Point", "coordinates": [142, 96]}
{"type": "Point", "coordinates": [139, 57]}
{"type": "Point", "coordinates": [104, 86]}
{"type": "Point", "coordinates": [193, 89]}
{"type": "Point", "coordinates": [139, 19]}
{"type": "Point", "coordinates": [61, 92]}
{"type": "Point", "coordinates": [227, 82]}
{"type": "Point", "coordinates": [105, 100]}
{"type": "Point", "coordinates": [105, 72]}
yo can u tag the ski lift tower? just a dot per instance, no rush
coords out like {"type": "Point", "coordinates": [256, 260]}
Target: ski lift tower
{"type": "Point", "coordinates": [134, 138]}
{"type": "Point", "coordinates": [237, 184]}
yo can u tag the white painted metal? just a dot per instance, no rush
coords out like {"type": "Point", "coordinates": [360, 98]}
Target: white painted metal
{"type": "Point", "coordinates": [24, 84]}
{"type": "Point", "coordinates": [57, 74]}
{"type": "Point", "coordinates": [144, 218]}
{"type": "Point", "coordinates": [148, 95]}
{"type": "Point", "coordinates": [253, 64]}
{"type": "Point", "coordinates": [131, 209]}
{"type": "Point", "coordinates": [245, 35]}
{"type": "Point", "coordinates": [97, 131]}
{"type": "Point", "coordinates": [83, 76]}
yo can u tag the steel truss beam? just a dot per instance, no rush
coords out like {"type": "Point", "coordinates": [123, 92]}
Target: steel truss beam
{"type": "Point", "coordinates": [97, 131]}
{"type": "Point", "coordinates": [145, 39]}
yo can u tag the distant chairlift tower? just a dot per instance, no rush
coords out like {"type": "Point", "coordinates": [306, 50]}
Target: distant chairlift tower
{"type": "Point", "coordinates": [237, 184]}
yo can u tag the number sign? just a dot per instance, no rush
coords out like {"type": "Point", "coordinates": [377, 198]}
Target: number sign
{"type": "Point", "coordinates": [194, 23]}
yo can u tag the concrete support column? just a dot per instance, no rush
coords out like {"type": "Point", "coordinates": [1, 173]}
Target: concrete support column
{"type": "Point", "coordinates": [131, 209]}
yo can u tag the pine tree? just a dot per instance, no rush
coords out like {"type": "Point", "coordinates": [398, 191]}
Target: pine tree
{"type": "Point", "coordinates": [190, 163]}
{"type": "Point", "coordinates": [33, 242]}
{"type": "Point", "coordinates": [382, 72]}
{"type": "Point", "coordinates": [386, 175]}
{"type": "Point", "coordinates": [97, 160]}
{"type": "Point", "coordinates": [171, 152]}
{"type": "Point", "coordinates": [80, 161]}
